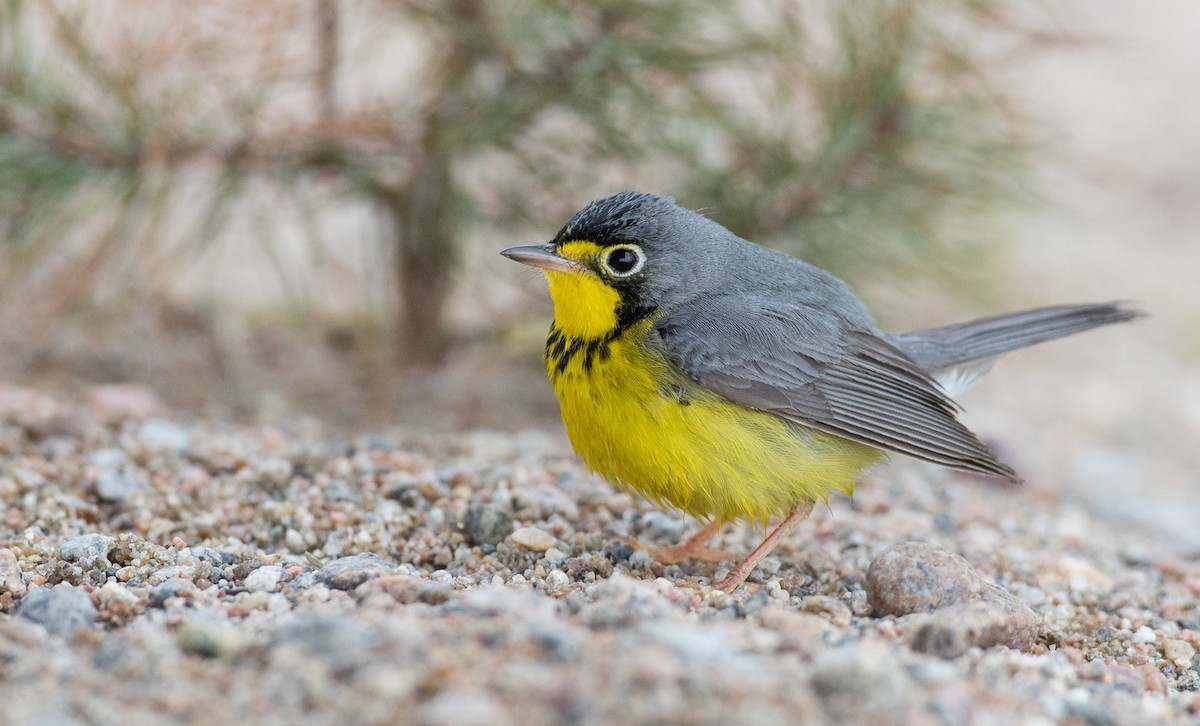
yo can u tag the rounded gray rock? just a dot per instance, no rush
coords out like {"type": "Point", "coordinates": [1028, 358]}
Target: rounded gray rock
{"type": "Point", "coordinates": [348, 573]}
{"type": "Point", "coordinates": [60, 609]}
{"type": "Point", "coordinates": [264, 579]}
{"type": "Point", "coordinates": [486, 524]}
{"type": "Point", "coordinates": [116, 485]}
{"type": "Point", "coordinates": [917, 577]}
{"type": "Point", "coordinates": [953, 606]}
{"type": "Point", "coordinates": [160, 435]}
{"type": "Point", "coordinates": [951, 631]}
{"type": "Point", "coordinates": [168, 589]}
{"type": "Point", "coordinates": [88, 550]}
{"type": "Point", "coordinates": [10, 573]}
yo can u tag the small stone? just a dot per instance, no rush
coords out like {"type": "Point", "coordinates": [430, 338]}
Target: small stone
{"type": "Point", "coordinates": [274, 470]}
{"type": "Point", "coordinates": [116, 602]}
{"type": "Point", "coordinates": [211, 638]}
{"type": "Point", "coordinates": [60, 609]}
{"type": "Point", "coordinates": [159, 435]}
{"type": "Point", "coordinates": [958, 607]}
{"type": "Point", "coordinates": [485, 524]}
{"type": "Point", "coordinates": [950, 631]}
{"type": "Point", "coordinates": [348, 573]}
{"type": "Point", "coordinates": [89, 550]}
{"type": "Point", "coordinates": [108, 459]}
{"type": "Point", "coordinates": [264, 579]}
{"type": "Point", "coordinates": [618, 552]}
{"type": "Point", "coordinates": [174, 572]}
{"type": "Point", "coordinates": [914, 577]}
{"type": "Point", "coordinates": [1143, 635]}
{"type": "Point", "coordinates": [837, 611]}
{"type": "Point", "coordinates": [1179, 652]}
{"type": "Point", "coordinates": [11, 580]}
{"type": "Point", "coordinates": [116, 485]}
{"type": "Point", "coordinates": [556, 582]}
{"type": "Point", "coordinates": [640, 559]}
{"type": "Point", "coordinates": [532, 538]}
{"type": "Point", "coordinates": [170, 589]}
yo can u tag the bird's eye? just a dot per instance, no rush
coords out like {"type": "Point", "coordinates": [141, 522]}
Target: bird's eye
{"type": "Point", "coordinates": [624, 261]}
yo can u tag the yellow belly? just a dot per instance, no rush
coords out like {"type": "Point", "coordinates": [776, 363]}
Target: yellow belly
{"type": "Point", "coordinates": [639, 422]}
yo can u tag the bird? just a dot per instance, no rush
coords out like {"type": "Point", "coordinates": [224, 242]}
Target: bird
{"type": "Point", "coordinates": [736, 383]}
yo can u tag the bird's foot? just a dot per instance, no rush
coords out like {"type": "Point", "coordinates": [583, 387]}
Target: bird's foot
{"type": "Point", "coordinates": [688, 551]}
{"type": "Point", "coordinates": [693, 548]}
{"type": "Point", "coordinates": [739, 574]}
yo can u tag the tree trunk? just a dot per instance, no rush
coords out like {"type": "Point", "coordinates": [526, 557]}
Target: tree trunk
{"type": "Point", "coordinates": [424, 258]}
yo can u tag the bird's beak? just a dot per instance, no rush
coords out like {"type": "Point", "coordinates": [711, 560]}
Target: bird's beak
{"type": "Point", "coordinates": [543, 256]}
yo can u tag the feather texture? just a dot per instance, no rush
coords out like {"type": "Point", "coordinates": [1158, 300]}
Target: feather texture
{"type": "Point", "coordinates": [842, 379]}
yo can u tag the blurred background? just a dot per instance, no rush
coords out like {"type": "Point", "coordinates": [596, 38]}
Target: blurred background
{"type": "Point", "coordinates": [281, 210]}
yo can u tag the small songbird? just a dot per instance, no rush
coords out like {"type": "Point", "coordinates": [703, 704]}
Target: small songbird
{"type": "Point", "coordinates": [733, 382]}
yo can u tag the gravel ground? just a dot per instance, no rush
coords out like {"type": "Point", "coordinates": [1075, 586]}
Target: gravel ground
{"type": "Point", "coordinates": [160, 571]}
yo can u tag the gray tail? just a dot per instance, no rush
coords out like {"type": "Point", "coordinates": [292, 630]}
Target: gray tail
{"type": "Point", "coordinates": [937, 349]}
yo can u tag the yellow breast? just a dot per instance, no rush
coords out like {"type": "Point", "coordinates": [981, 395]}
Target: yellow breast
{"type": "Point", "coordinates": [635, 419]}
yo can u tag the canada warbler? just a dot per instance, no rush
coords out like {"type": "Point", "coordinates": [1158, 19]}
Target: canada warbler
{"type": "Point", "coordinates": [734, 382]}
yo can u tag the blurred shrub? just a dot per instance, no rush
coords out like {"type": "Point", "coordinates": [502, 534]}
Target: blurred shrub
{"type": "Point", "coordinates": [137, 136]}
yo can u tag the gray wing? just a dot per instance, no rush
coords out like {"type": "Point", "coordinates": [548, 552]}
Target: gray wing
{"type": "Point", "coordinates": [808, 365]}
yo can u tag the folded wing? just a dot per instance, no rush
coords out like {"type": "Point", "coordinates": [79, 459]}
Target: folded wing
{"type": "Point", "coordinates": [807, 365]}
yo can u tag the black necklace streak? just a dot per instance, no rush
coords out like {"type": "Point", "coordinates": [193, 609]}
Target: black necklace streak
{"type": "Point", "coordinates": [561, 350]}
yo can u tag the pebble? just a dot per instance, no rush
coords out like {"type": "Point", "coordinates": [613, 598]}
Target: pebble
{"type": "Point", "coordinates": [160, 435]}
{"type": "Point", "coordinates": [208, 636]}
{"type": "Point", "coordinates": [914, 577]}
{"type": "Point", "coordinates": [60, 609]}
{"type": "Point", "coordinates": [264, 579]}
{"type": "Point", "coordinates": [486, 524]}
{"type": "Point", "coordinates": [532, 538]}
{"type": "Point", "coordinates": [108, 459]}
{"type": "Point", "coordinates": [951, 631]}
{"type": "Point", "coordinates": [169, 589]}
{"type": "Point", "coordinates": [952, 606]}
{"type": "Point", "coordinates": [837, 611]}
{"type": "Point", "coordinates": [348, 573]}
{"type": "Point", "coordinates": [1179, 652]}
{"type": "Point", "coordinates": [116, 485]}
{"type": "Point", "coordinates": [1143, 635]}
{"type": "Point", "coordinates": [619, 552]}
{"type": "Point", "coordinates": [89, 550]}
{"type": "Point", "coordinates": [274, 470]}
{"type": "Point", "coordinates": [174, 572]}
{"type": "Point", "coordinates": [11, 580]}
{"type": "Point", "coordinates": [557, 581]}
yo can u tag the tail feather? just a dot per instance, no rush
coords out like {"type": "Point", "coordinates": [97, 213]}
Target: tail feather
{"type": "Point", "coordinates": [950, 346]}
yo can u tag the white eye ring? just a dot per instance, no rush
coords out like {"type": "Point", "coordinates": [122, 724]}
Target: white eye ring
{"type": "Point", "coordinates": [615, 262]}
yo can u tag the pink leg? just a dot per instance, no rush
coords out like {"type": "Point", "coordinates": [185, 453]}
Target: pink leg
{"type": "Point", "coordinates": [739, 574]}
{"type": "Point", "coordinates": [692, 548]}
